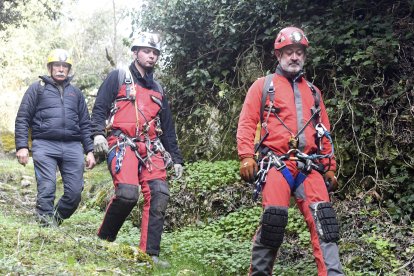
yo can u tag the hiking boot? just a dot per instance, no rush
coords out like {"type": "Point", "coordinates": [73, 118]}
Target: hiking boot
{"type": "Point", "coordinates": [57, 219]}
{"type": "Point", "coordinates": [46, 221]}
{"type": "Point", "coordinates": [159, 263]}
{"type": "Point", "coordinates": [106, 237]}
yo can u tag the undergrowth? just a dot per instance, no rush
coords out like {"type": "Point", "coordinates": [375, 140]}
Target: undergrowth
{"type": "Point", "coordinates": [212, 233]}
{"type": "Point", "coordinates": [203, 176]}
{"type": "Point", "coordinates": [28, 249]}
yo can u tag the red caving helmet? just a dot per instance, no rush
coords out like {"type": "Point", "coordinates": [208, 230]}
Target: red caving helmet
{"type": "Point", "coordinates": [289, 36]}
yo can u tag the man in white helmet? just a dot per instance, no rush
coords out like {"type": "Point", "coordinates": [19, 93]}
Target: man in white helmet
{"type": "Point", "coordinates": [58, 117]}
{"type": "Point", "coordinates": [133, 125]}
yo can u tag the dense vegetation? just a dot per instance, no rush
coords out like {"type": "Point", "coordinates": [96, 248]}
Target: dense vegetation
{"type": "Point", "coordinates": [361, 56]}
{"type": "Point", "coordinates": [21, 13]}
{"type": "Point", "coordinates": [208, 231]}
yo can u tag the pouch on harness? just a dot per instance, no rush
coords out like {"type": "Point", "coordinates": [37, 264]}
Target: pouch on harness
{"type": "Point", "coordinates": [268, 159]}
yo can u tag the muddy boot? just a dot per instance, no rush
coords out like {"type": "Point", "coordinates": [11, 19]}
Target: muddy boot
{"type": "Point", "coordinates": [158, 263]}
{"type": "Point", "coordinates": [46, 220]}
{"type": "Point", "coordinates": [57, 219]}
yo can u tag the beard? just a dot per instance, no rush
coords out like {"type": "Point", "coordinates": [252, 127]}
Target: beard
{"type": "Point", "coordinates": [147, 69]}
{"type": "Point", "coordinates": [291, 69]}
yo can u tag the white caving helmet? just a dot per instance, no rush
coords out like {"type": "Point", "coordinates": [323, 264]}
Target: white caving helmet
{"type": "Point", "coordinates": [146, 39]}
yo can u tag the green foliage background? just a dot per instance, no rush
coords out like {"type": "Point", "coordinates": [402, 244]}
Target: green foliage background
{"type": "Point", "coordinates": [30, 29]}
{"type": "Point", "coordinates": [361, 56]}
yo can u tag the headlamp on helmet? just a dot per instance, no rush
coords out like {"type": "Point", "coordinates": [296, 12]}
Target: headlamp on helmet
{"type": "Point", "coordinates": [290, 36]}
{"type": "Point", "coordinates": [59, 55]}
{"type": "Point", "coordinates": [147, 40]}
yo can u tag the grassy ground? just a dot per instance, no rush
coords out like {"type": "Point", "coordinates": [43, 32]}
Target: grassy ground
{"type": "Point", "coordinates": [72, 248]}
{"type": "Point", "coordinates": [371, 243]}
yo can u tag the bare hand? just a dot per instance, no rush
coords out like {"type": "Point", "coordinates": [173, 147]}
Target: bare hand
{"type": "Point", "coordinates": [90, 161]}
{"type": "Point", "coordinates": [23, 156]}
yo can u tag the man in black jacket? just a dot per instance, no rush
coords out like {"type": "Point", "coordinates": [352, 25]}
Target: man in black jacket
{"type": "Point", "coordinates": [132, 111]}
{"type": "Point", "coordinates": [57, 114]}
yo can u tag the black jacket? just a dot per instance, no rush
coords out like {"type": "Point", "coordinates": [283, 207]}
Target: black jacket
{"type": "Point", "coordinates": [106, 95]}
{"type": "Point", "coordinates": [52, 116]}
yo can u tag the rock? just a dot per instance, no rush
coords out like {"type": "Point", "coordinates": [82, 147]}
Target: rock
{"type": "Point", "coordinates": [26, 181]}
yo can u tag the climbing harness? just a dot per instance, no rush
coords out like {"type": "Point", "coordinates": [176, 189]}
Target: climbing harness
{"type": "Point", "coordinates": [269, 92]}
{"type": "Point", "coordinates": [267, 159]}
{"type": "Point", "coordinates": [306, 163]}
{"type": "Point", "coordinates": [154, 147]}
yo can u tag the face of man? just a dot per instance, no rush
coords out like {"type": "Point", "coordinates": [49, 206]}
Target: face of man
{"type": "Point", "coordinates": [291, 58]}
{"type": "Point", "coordinates": [146, 58]}
{"type": "Point", "coordinates": [59, 71]}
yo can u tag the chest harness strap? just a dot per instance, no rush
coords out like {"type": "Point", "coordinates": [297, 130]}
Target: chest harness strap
{"type": "Point", "coordinates": [269, 159]}
{"type": "Point", "coordinates": [153, 146]}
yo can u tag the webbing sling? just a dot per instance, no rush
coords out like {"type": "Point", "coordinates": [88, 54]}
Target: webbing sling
{"type": "Point", "coordinates": [280, 165]}
{"type": "Point", "coordinates": [293, 182]}
{"type": "Point", "coordinates": [268, 90]}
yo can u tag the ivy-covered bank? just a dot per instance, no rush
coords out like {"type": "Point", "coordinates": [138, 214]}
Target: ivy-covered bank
{"type": "Point", "coordinates": [211, 220]}
{"type": "Point", "coordinates": [361, 56]}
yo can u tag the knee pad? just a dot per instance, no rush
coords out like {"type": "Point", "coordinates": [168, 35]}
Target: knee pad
{"type": "Point", "coordinates": [326, 222]}
{"type": "Point", "coordinates": [273, 224]}
{"type": "Point", "coordinates": [160, 194]}
{"type": "Point", "coordinates": [127, 193]}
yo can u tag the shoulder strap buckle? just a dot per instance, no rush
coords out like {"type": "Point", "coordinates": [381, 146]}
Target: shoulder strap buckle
{"type": "Point", "coordinates": [268, 89]}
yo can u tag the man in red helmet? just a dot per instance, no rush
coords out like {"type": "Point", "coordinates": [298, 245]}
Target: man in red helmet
{"type": "Point", "coordinates": [295, 157]}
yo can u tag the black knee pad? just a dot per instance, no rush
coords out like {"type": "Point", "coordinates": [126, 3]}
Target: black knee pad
{"type": "Point", "coordinates": [160, 195]}
{"type": "Point", "coordinates": [273, 224]}
{"type": "Point", "coordinates": [327, 224]}
{"type": "Point", "coordinates": [127, 193]}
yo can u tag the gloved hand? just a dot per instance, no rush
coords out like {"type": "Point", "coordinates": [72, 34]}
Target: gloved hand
{"type": "Point", "coordinates": [248, 169]}
{"type": "Point", "coordinates": [331, 181]}
{"type": "Point", "coordinates": [100, 145]}
{"type": "Point", "coordinates": [178, 169]}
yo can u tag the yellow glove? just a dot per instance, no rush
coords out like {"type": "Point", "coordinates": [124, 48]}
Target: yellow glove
{"type": "Point", "coordinates": [248, 169]}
